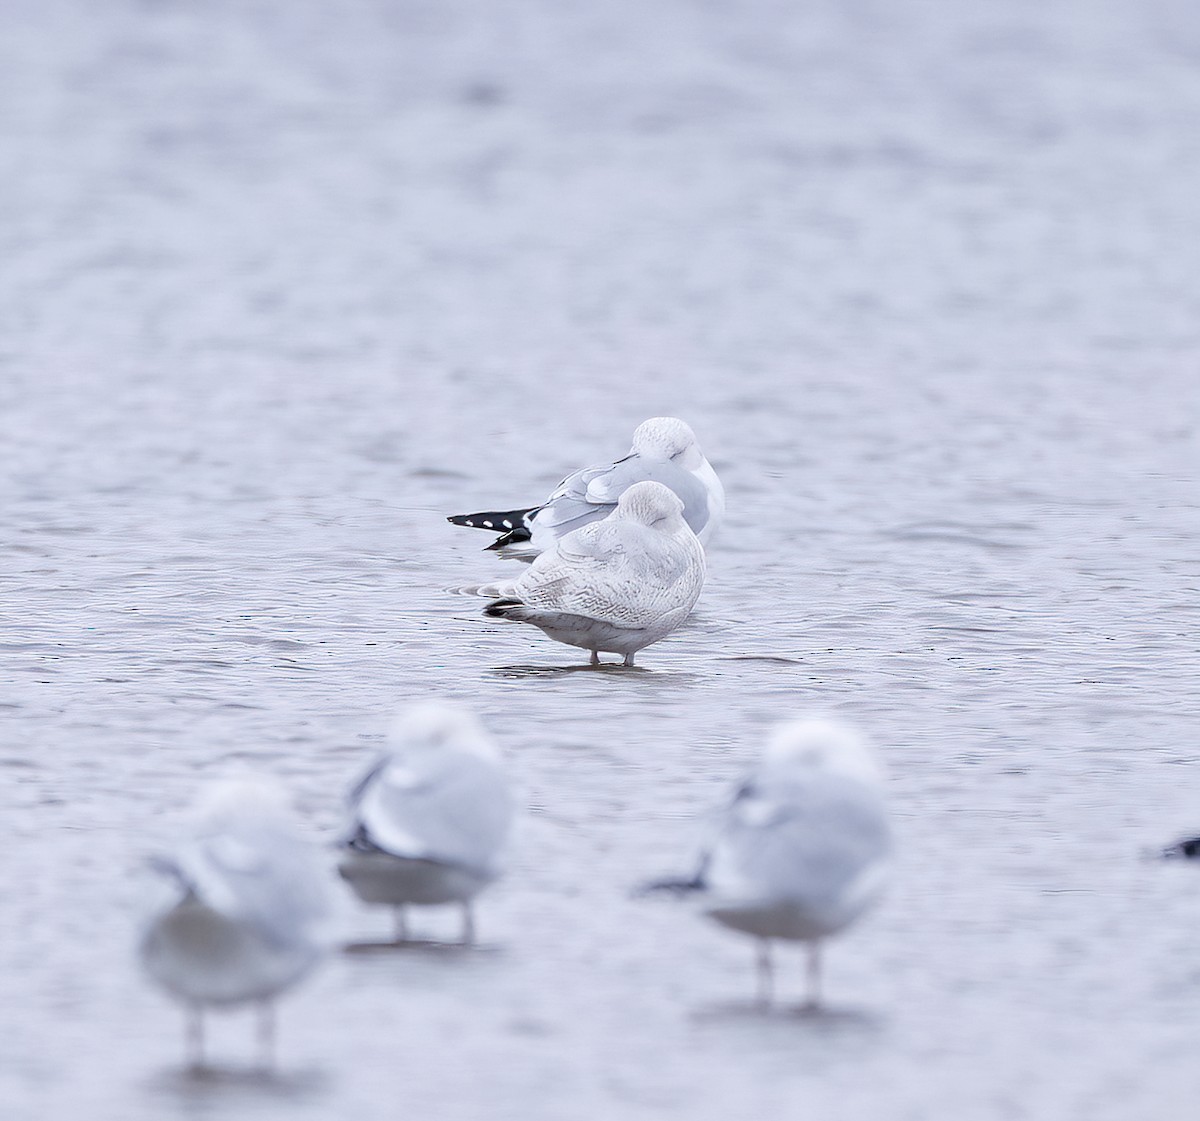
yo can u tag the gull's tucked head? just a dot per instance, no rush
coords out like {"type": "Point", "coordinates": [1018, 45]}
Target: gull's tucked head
{"type": "Point", "coordinates": [241, 795]}
{"type": "Point", "coordinates": [438, 726]}
{"type": "Point", "coordinates": [822, 745]}
{"type": "Point", "coordinates": [667, 437]}
{"type": "Point", "coordinates": [651, 504]}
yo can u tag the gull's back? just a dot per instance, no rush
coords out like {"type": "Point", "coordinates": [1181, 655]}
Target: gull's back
{"type": "Point", "coordinates": [255, 870]}
{"type": "Point", "coordinates": [617, 571]}
{"type": "Point", "coordinates": [591, 495]}
{"type": "Point", "coordinates": [813, 849]}
{"type": "Point", "coordinates": [454, 807]}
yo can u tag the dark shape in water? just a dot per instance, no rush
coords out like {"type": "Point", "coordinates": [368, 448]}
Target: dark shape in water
{"type": "Point", "coordinates": [1188, 849]}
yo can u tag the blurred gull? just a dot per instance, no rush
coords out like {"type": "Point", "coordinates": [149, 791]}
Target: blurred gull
{"type": "Point", "coordinates": [429, 817]}
{"type": "Point", "coordinates": [802, 850]}
{"type": "Point", "coordinates": [255, 912]}
{"type": "Point", "coordinates": [1187, 849]}
{"type": "Point", "coordinates": [664, 450]}
{"type": "Point", "coordinates": [615, 585]}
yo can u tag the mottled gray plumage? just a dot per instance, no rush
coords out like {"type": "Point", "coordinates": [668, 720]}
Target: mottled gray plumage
{"type": "Point", "coordinates": [616, 585]}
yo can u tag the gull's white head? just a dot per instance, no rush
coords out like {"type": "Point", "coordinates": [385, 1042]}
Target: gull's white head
{"type": "Point", "coordinates": [667, 437]}
{"type": "Point", "coordinates": [238, 796]}
{"type": "Point", "coordinates": [822, 745]}
{"type": "Point", "coordinates": [651, 504]}
{"type": "Point", "coordinates": [438, 726]}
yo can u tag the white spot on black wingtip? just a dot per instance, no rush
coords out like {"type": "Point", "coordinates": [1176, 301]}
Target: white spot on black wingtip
{"type": "Point", "coordinates": [506, 523]}
{"type": "Point", "coordinates": [487, 524]}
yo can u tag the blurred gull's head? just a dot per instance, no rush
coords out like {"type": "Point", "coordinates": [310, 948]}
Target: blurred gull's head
{"type": "Point", "coordinates": [824, 745]}
{"type": "Point", "coordinates": [439, 726]}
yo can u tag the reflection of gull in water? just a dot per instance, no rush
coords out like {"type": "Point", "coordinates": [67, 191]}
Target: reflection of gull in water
{"type": "Point", "coordinates": [664, 450]}
{"type": "Point", "coordinates": [801, 851]}
{"type": "Point", "coordinates": [616, 585]}
{"type": "Point", "coordinates": [429, 817]}
{"type": "Point", "coordinates": [254, 915]}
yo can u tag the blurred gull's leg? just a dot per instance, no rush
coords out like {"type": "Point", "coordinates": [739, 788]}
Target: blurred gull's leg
{"type": "Point", "coordinates": [814, 975]}
{"type": "Point", "coordinates": [766, 974]}
{"type": "Point", "coordinates": [194, 1036]}
{"type": "Point", "coordinates": [266, 1034]}
{"type": "Point", "coordinates": [468, 924]}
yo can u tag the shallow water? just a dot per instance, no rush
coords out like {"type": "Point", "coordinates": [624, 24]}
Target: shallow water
{"type": "Point", "coordinates": [284, 284]}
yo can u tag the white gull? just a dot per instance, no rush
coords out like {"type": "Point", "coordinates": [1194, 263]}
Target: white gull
{"type": "Point", "coordinates": [802, 850]}
{"type": "Point", "coordinates": [254, 912]}
{"type": "Point", "coordinates": [429, 818]}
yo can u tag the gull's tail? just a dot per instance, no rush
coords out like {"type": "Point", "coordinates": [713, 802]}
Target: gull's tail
{"type": "Point", "coordinates": [513, 525]}
{"type": "Point", "coordinates": [502, 608]}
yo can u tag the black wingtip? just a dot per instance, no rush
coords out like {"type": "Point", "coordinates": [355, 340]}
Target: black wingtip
{"type": "Point", "coordinates": [512, 537]}
{"type": "Point", "coordinates": [473, 521]}
{"type": "Point", "coordinates": [359, 840]}
{"type": "Point", "coordinates": [499, 608]}
{"type": "Point", "coordinates": [498, 521]}
{"type": "Point", "coordinates": [1188, 849]}
{"type": "Point", "coordinates": [671, 887]}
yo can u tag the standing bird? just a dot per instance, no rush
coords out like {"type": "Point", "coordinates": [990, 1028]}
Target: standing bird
{"type": "Point", "coordinates": [429, 817]}
{"type": "Point", "coordinates": [664, 450]}
{"type": "Point", "coordinates": [802, 850]}
{"type": "Point", "coordinates": [255, 912]}
{"type": "Point", "coordinates": [615, 585]}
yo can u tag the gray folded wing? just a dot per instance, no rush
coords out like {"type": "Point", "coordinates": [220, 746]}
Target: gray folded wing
{"type": "Point", "coordinates": [450, 807]}
{"type": "Point", "coordinates": [592, 493]}
{"type": "Point", "coordinates": [257, 873]}
{"type": "Point", "coordinates": [810, 842]}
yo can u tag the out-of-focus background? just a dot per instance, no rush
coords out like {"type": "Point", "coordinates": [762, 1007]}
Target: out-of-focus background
{"type": "Point", "coordinates": [282, 284]}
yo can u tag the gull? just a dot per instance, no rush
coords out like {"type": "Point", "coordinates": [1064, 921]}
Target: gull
{"type": "Point", "coordinates": [664, 450]}
{"type": "Point", "coordinates": [429, 817]}
{"type": "Point", "coordinates": [615, 585]}
{"type": "Point", "coordinates": [254, 912]}
{"type": "Point", "coordinates": [801, 852]}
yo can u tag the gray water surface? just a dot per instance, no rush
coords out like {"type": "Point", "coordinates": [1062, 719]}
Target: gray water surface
{"type": "Point", "coordinates": [283, 284]}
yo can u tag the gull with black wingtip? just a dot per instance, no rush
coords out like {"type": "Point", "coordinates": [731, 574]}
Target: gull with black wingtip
{"type": "Point", "coordinates": [802, 850]}
{"type": "Point", "coordinates": [665, 450]}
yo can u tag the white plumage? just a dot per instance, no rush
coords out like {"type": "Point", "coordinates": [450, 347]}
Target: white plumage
{"type": "Point", "coordinates": [615, 585]}
{"type": "Point", "coordinates": [429, 818]}
{"type": "Point", "coordinates": [802, 850]}
{"type": "Point", "coordinates": [255, 912]}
